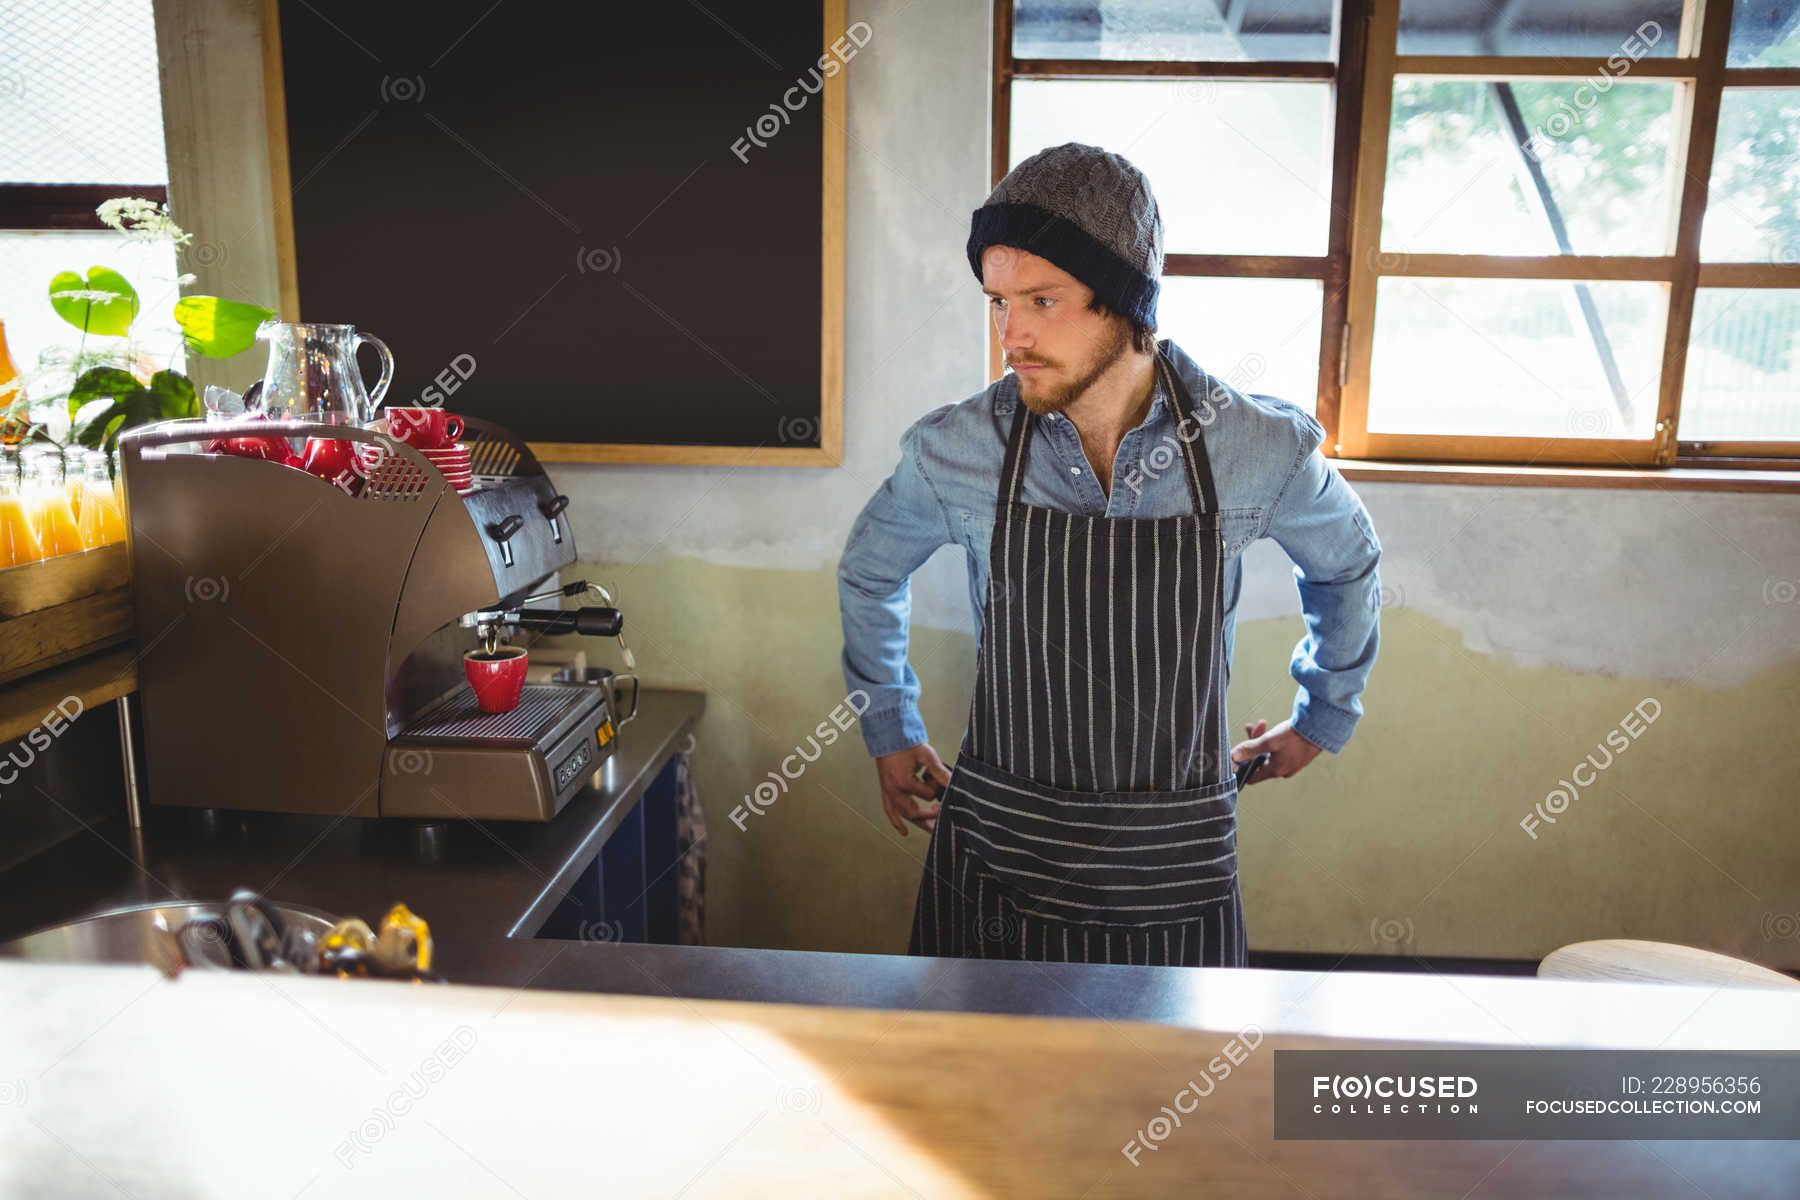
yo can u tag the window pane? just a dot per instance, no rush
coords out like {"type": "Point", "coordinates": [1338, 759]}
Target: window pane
{"type": "Point", "coordinates": [1258, 335]}
{"type": "Point", "coordinates": [1515, 357]}
{"type": "Point", "coordinates": [42, 342]}
{"type": "Point", "coordinates": [1458, 181]}
{"type": "Point", "coordinates": [1743, 366]}
{"type": "Point", "coordinates": [1237, 168]}
{"type": "Point", "coordinates": [1540, 27]}
{"type": "Point", "coordinates": [1753, 201]}
{"type": "Point", "coordinates": [1254, 30]}
{"type": "Point", "coordinates": [1764, 33]}
{"type": "Point", "coordinates": [80, 101]}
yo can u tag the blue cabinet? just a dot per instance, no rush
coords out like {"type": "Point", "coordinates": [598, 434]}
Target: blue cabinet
{"type": "Point", "coordinates": [631, 891]}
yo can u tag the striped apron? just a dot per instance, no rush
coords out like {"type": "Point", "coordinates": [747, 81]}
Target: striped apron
{"type": "Point", "coordinates": [1091, 815]}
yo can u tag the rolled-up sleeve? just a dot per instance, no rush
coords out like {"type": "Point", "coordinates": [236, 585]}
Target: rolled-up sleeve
{"type": "Point", "coordinates": [1322, 525]}
{"type": "Point", "coordinates": [900, 527]}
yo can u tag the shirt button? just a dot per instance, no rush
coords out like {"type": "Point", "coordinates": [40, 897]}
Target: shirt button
{"type": "Point", "coordinates": [1075, 470]}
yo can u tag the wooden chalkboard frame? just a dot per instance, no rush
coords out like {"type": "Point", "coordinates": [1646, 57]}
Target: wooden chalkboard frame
{"type": "Point", "coordinates": [830, 450]}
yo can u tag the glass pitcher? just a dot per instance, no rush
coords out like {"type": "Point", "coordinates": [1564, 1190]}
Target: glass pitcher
{"type": "Point", "coordinates": [312, 373]}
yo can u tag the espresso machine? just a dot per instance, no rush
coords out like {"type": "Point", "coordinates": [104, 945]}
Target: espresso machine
{"type": "Point", "coordinates": [300, 643]}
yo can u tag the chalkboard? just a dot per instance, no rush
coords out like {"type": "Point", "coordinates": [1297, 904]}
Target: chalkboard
{"type": "Point", "coordinates": [616, 229]}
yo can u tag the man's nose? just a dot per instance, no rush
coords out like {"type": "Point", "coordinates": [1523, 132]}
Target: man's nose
{"type": "Point", "coordinates": [1013, 334]}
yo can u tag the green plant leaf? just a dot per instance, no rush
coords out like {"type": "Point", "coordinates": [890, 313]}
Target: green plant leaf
{"type": "Point", "coordinates": [101, 382]}
{"type": "Point", "coordinates": [91, 430]}
{"type": "Point", "coordinates": [112, 433]}
{"type": "Point", "coordinates": [175, 394]}
{"type": "Point", "coordinates": [139, 408]}
{"type": "Point", "coordinates": [218, 328]}
{"type": "Point", "coordinates": [106, 303]}
{"type": "Point", "coordinates": [85, 415]}
{"type": "Point", "coordinates": [106, 400]}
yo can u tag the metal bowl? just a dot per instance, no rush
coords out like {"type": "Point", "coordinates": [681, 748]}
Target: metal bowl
{"type": "Point", "coordinates": [122, 934]}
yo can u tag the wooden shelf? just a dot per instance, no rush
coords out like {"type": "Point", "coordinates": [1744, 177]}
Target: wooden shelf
{"type": "Point", "coordinates": [65, 625]}
{"type": "Point", "coordinates": [39, 585]}
{"type": "Point", "coordinates": [62, 609]}
{"type": "Point", "coordinates": [93, 681]}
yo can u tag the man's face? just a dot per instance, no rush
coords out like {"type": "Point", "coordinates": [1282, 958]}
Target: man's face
{"type": "Point", "coordinates": [1054, 343]}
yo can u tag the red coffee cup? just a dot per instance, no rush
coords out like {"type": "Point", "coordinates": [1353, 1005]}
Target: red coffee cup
{"type": "Point", "coordinates": [326, 457]}
{"type": "Point", "coordinates": [273, 449]}
{"type": "Point", "coordinates": [244, 442]}
{"type": "Point", "coordinates": [497, 678]}
{"type": "Point", "coordinates": [424, 428]}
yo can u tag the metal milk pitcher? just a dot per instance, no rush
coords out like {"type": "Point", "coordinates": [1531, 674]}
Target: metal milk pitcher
{"type": "Point", "coordinates": [312, 373]}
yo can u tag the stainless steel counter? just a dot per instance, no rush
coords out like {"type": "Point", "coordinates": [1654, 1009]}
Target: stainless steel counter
{"type": "Point", "coordinates": [487, 887]}
{"type": "Point", "coordinates": [477, 882]}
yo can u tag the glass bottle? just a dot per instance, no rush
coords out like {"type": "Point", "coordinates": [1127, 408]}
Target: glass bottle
{"type": "Point", "coordinates": [74, 475]}
{"type": "Point", "coordinates": [57, 528]}
{"type": "Point", "coordinates": [30, 454]}
{"type": "Point", "coordinates": [100, 522]}
{"type": "Point", "coordinates": [15, 421]}
{"type": "Point", "coordinates": [18, 540]}
{"type": "Point", "coordinates": [41, 457]}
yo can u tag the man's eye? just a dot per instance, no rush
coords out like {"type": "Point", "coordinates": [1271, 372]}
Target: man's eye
{"type": "Point", "coordinates": [1046, 301]}
{"type": "Point", "coordinates": [995, 301]}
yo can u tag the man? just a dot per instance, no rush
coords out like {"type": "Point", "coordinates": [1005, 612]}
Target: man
{"type": "Point", "coordinates": [1102, 492]}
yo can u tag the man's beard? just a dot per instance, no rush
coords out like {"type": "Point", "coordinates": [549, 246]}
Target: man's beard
{"type": "Point", "coordinates": [1046, 399]}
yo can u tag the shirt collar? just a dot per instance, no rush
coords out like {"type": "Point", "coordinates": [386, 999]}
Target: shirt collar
{"type": "Point", "coordinates": [1159, 399]}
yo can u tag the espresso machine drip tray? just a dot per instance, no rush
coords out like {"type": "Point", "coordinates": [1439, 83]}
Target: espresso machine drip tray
{"type": "Point", "coordinates": [542, 708]}
{"type": "Point", "coordinates": [453, 760]}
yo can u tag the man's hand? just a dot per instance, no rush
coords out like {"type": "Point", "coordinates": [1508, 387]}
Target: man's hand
{"type": "Point", "coordinates": [901, 793]}
{"type": "Point", "coordinates": [1288, 752]}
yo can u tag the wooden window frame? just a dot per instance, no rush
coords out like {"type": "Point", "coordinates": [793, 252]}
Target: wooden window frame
{"type": "Point", "coordinates": [1366, 64]}
{"type": "Point", "coordinates": [59, 207]}
{"type": "Point", "coordinates": [1343, 70]}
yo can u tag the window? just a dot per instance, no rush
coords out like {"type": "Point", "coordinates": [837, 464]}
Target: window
{"type": "Point", "coordinates": [1254, 273]}
{"type": "Point", "coordinates": [1531, 233]}
{"type": "Point", "coordinates": [80, 122]}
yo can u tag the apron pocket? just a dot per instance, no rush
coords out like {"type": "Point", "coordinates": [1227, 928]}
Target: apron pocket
{"type": "Point", "coordinates": [1111, 858]}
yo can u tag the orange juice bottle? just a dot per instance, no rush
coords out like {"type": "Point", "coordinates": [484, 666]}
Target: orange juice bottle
{"type": "Point", "coordinates": [100, 523]}
{"type": "Point", "coordinates": [30, 455]}
{"type": "Point", "coordinates": [18, 541]}
{"type": "Point", "coordinates": [15, 422]}
{"type": "Point", "coordinates": [112, 524]}
{"type": "Point", "coordinates": [57, 528]}
{"type": "Point", "coordinates": [74, 459]}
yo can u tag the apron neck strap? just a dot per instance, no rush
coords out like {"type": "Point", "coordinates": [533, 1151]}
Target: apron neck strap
{"type": "Point", "coordinates": [1012, 471]}
{"type": "Point", "coordinates": [1189, 436]}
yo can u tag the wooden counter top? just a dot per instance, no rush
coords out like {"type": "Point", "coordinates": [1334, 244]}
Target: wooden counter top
{"type": "Point", "coordinates": [114, 1079]}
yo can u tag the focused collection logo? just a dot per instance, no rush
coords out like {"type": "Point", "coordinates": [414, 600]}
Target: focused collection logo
{"type": "Point", "coordinates": [1386, 1094]}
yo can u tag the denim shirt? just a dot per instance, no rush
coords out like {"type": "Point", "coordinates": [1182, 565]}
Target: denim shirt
{"type": "Point", "coordinates": [1271, 482]}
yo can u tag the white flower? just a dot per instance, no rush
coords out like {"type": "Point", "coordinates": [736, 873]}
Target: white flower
{"type": "Point", "coordinates": [88, 296]}
{"type": "Point", "coordinates": [141, 219]}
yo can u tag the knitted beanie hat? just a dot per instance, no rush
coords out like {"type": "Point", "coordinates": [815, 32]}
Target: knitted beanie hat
{"type": "Point", "coordinates": [1087, 210]}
